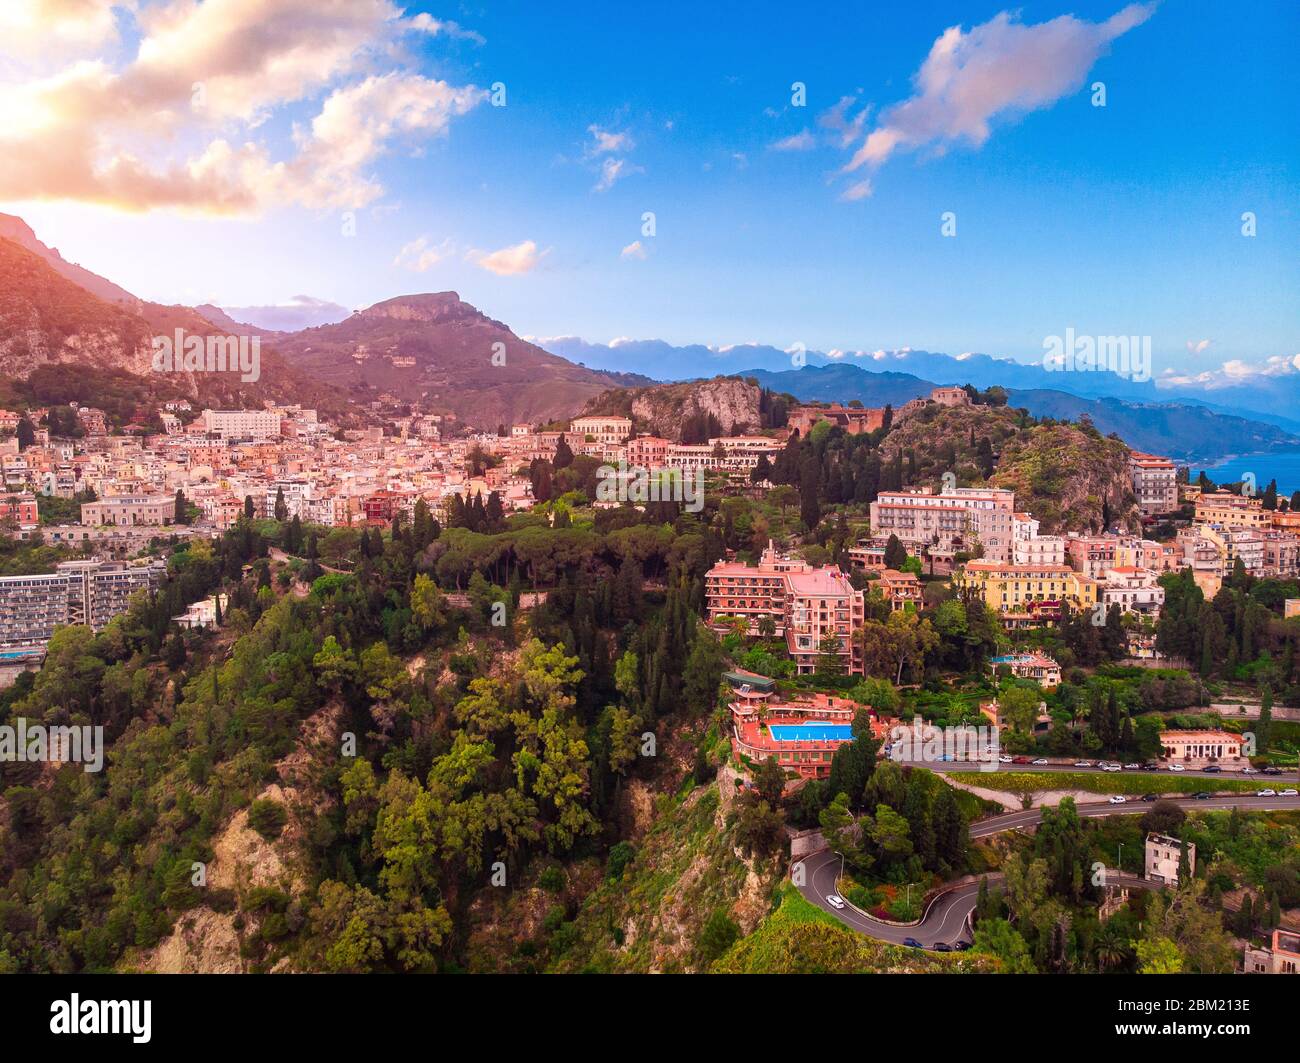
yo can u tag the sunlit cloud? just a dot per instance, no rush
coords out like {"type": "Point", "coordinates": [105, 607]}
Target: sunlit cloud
{"type": "Point", "coordinates": [509, 261]}
{"type": "Point", "coordinates": [1002, 68]}
{"type": "Point", "coordinates": [171, 126]}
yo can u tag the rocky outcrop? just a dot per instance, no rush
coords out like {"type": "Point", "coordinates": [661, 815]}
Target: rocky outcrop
{"type": "Point", "coordinates": [662, 410]}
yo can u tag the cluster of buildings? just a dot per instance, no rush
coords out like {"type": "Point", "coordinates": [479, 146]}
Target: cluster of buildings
{"type": "Point", "coordinates": [801, 734]}
{"type": "Point", "coordinates": [800, 602]}
{"type": "Point", "coordinates": [86, 592]}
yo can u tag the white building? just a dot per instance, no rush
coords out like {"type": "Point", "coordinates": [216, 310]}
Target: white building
{"type": "Point", "coordinates": [1163, 854]}
{"type": "Point", "coordinates": [243, 424]}
{"type": "Point", "coordinates": [1134, 590]}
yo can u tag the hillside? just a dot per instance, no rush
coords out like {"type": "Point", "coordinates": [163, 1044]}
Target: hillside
{"type": "Point", "coordinates": [1061, 473]}
{"type": "Point", "coordinates": [437, 348]}
{"type": "Point", "coordinates": [17, 230]}
{"type": "Point", "coordinates": [1185, 431]}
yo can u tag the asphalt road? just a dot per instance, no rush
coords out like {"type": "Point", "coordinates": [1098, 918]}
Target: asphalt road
{"type": "Point", "coordinates": [1287, 778]}
{"type": "Point", "coordinates": [945, 919]}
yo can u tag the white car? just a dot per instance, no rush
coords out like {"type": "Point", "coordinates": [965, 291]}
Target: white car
{"type": "Point", "coordinates": [1176, 767]}
{"type": "Point", "coordinates": [1041, 760]}
{"type": "Point", "coordinates": [1292, 792]}
{"type": "Point", "coordinates": [1005, 759]}
{"type": "Point", "coordinates": [835, 900]}
{"type": "Point", "coordinates": [1249, 771]}
{"type": "Point", "coordinates": [1118, 799]}
{"type": "Point", "coordinates": [1083, 764]}
{"type": "Point", "coordinates": [1266, 793]}
{"type": "Point", "coordinates": [1132, 767]}
{"type": "Point", "coordinates": [1111, 767]}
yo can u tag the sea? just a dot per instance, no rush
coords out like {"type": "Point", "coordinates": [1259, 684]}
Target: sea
{"type": "Point", "coordinates": [1282, 465]}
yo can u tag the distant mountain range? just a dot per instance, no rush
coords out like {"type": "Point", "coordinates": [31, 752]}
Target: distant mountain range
{"type": "Point", "coordinates": [1162, 417]}
{"type": "Point", "coordinates": [1262, 397]}
{"type": "Point", "coordinates": [435, 349]}
{"type": "Point", "coordinates": [1186, 432]}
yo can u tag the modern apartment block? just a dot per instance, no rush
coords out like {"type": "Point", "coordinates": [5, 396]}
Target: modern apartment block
{"type": "Point", "coordinates": [805, 604]}
{"type": "Point", "coordinates": [1155, 483]}
{"type": "Point", "coordinates": [243, 424]}
{"type": "Point", "coordinates": [958, 517]}
{"type": "Point", "coordinates": [77, 592]}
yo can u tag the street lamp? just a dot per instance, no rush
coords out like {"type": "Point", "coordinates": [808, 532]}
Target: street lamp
{"type": "Point", "coordinates": [1119, 863]}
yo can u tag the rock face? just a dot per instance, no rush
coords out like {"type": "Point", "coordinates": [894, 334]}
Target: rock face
{"type": "Point", "coordinates": [662, 410]}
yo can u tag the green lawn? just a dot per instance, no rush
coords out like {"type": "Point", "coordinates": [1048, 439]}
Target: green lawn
{"type": "Point", "coordinates": [1107, 782]}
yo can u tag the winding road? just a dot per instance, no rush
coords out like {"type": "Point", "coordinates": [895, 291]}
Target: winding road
{"type": "Point", "coordinates": [945, 920]}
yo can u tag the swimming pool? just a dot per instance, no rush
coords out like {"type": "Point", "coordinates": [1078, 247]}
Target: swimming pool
{"type": "Point", "coordinates": [811, 732]}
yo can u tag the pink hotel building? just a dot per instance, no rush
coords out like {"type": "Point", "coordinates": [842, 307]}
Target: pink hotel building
{"type": "Point", "coordinates": [805, 603]}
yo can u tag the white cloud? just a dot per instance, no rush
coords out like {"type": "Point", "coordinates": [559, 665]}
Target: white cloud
{"type": "Point", "coordinates": [437, 27]}
{"type": "Point", "coordinates": [1198, 346]}
{"type": "Point", "coordinates": [419, 255]}
{"type": "Point", "coordinates": [1232, 373]}
{"type": "Point", "coordinates": [1001, 68]}
{"type": "Point", "coordinates": [856, 191]}
{"type": "Point", "coordinates": [633, 250]}
{"type": "Point", "coordinates": [170, 127]}
{"type": "Point", "coordinates": [603, 142]}
{"type": "Point", "coordinates": [836, 119]}
{"type": "Point", "coordinates": [509, 261]}
{"type": "Point", "coordinates": [612, 170]}
{"type": "Point", "coordinates": [801, 141]}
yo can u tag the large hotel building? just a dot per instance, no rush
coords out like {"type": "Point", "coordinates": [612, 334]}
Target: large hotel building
{"type": "Point", "coordinates": [805, 604]}
{"type": "Point", "coordinates": [1155, 483]}
{"type": "Point", "coordinates": [77, 592]}
{"type": "Point", "coordinates": [957, 517]}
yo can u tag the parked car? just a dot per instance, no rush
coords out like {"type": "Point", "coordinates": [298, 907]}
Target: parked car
{"type": "Point", "coordinates": [1111, 767]}
{"type": "Point", "coordinates": [1083, 764]}
{"type": "Point", "coordinates": [1176, 767]}
{"type": "Point", "coordinates": [1118, 799]}
{"type": "Point", "coordinates": [1248, 770]}
{"type": "Point", "coordinates": [1019, 760]}
{"type": "Point", "coordinates": [1006, 758]}
{"type": "Point", "coordinates": [1041, 760]}
{"type": "Point", "coordinates": [835, 900]}
{"type": "Point", "coordinates": [912, 943]}
{"type": "Point", "coordinates": [942, 946]}
{"type": "Point", "coordinates": [1272, 770]}
{"type": "Point", "coordinates": [1213, 768]}
{"type": "Point", "coordinates": [1150, 797]}
{"type": "Point", "coordinates": [961, 946]}
{"type": "Point", "coordinates": [1266, 792]}
{"type": "Point", "coordinates": [1132, 767]}
{"type": "Point", "coordinates": [1290, 791]}
{"type": "Point", "coordinates": [1204, 795]}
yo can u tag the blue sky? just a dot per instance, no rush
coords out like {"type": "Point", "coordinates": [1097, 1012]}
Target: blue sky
{"type": "Point", "coordinates": [1123, 219]}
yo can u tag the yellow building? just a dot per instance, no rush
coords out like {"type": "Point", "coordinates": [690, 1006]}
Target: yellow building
{"type": "Point", "coordinates": [1232, 511]}
{"type": "Point", "coordinates": [1027, 594]}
